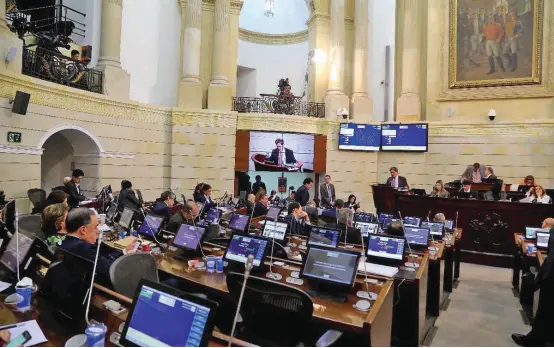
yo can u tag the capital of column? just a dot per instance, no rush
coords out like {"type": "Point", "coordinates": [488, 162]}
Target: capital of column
{"type": "Point", "coordinates": [110, 39]}
{"type": "Point", "coordinates": [221, 20]}
{"type": "Point", "coordinates": [193, 13]}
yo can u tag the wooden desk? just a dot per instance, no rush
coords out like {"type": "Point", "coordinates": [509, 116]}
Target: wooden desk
{"type": "Point", "coordinates": [433, 300]}
{"type": "Point", "coordinates": [488, 226]}
{"type": "Point", "coordinates": [479, 187]}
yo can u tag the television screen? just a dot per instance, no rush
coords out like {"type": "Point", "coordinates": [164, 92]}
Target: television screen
{"type": "Point", "coordinates": [281, 152]}
{"type": "Point", "coordinates": [359, 137]}
{"type": "Point", "coordinates": [404, 137]}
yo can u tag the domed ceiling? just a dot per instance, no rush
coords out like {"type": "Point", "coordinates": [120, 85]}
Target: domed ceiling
{"type": "Point", "coordinates": [289, 16]}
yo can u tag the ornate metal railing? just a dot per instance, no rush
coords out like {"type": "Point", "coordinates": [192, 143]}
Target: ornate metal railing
{"type": "Point", "coordinates": [55, 67]}
{"type": "Point", "coordinates": [276, 104]}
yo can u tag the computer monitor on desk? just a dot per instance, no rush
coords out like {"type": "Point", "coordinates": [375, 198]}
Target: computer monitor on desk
{"type": "Point", "coordinates": [386, 250]}
{"type": "Point", "coordinates": [165, 317]}
{"type": "Point", "coordinates": [213, 216]}
{"type": "Point", "coordinates": [437, 228]}
{"type": "Point", "coordinates": [330, 270]}
{"type": "Point", "coordinates": [412, 221]}
{"type": "Point", "coordinates": [241, 246]}
{"type": "Point", "coordinates": [275, 229]}
{"type": "Point", "coordinates": [417, 236]}
{"type": "Point", "coordinates": [273, 213]}
{"type": "Point", "coordinates": [126, 218]}
{"type": "Point", "coordinates": [189, 238]}
{"type": "Point", "coordinates": [151, 226]}
{"type": "Point", "coordinates": [531, 232]}
{"type": "Point", "coordinates": [10, 256]}
{"type": "Point", "coordinates": [367, 228]}
{"type": "Point", "coordinates": [239, 223]}
{"type": "Point", "coordinates": [324, 237]}
{"type": "Point", "coordinates": [542, 240]}
{"type": "Point", "coordinates": [364, 217]}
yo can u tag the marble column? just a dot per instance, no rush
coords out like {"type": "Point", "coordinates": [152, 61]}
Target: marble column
{"type": "Point", "coordinates": [335, 98]}
{"type": "Point", "coordinates": [116, 80]}
{"type": "Point", "coordinates": [361, 106]}
{"type": "Point", "coordinates": [7, 41]}
{"type": "Point", "coordinates": [219, 90]}
{"type": "Point", "coordinates": [190, 87]}
{"type": "Point", "coordinates": [408, 105]}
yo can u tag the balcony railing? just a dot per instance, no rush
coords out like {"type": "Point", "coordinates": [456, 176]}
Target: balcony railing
{"type": "Point", "coordinates": [276, 104]}
{"type": "Point", "coordinates": [55, 67]}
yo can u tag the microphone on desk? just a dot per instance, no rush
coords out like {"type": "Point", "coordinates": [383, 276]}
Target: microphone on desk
{"type": "Point", "coordinates": [16, 235]}
{"type": "Point", "coordinates": [89, 292]}
{"type": "Point", "coordinates": [247, 268]}
{"type": "Point", "coordinates": [428, 214]}
{"type": "Point", "coordinates": [250, 221]}
{"type": "Point", "coordinates": [456, 221]}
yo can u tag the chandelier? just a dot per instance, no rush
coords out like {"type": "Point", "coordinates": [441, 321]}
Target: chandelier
{"type": "Point", "coordinates": [269, 7]}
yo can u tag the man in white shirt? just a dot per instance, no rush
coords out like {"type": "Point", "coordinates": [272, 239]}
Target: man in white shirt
{"type": "Point", "coordinates": [396, 181]}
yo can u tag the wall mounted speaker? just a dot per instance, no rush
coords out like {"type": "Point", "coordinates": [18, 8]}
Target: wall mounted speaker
{"type": "Point", "coordinates": [10, 57]}
{"type": "Point", "coordinates": [21, 103]}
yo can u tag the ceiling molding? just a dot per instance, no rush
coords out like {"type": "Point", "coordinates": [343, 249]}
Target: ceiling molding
{"type": "Point", "coordinates": [273, 39]}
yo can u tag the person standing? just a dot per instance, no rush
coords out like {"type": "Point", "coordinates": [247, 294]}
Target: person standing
{"type": "Point", "coordinates": [327, 192]}
{"type": "Point", "coordinates": [259, 184]}
{"type": "Point", "coordinates": [73, 189]}
{"type": "Point", "coordinates": [396, 181]}
{"type": "Point", "coordinates": [303, 193]}
{"type": "Point", "coordinates": [514, 29]}
{"type": "Point", "coordinates": [494, 35]}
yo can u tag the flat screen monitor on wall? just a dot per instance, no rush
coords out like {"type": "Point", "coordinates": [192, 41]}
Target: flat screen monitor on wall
{"type": "Point", "coordinates": [404, 137]}
{"type": "Point", "coordinates": [281, 152]}
{"type": "Point", "coordinates": [359, 137]}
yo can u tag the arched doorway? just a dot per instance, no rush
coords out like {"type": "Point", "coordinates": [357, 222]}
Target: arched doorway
{"type": "Point", "coordinates": [65, 148]}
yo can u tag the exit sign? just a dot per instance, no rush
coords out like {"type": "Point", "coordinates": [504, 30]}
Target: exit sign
{"type": "Point", "coordinates": [14, 137]}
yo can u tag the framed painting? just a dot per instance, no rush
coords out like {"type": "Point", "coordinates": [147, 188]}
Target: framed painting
{"type": "Point", "coordinates": [495, 43]}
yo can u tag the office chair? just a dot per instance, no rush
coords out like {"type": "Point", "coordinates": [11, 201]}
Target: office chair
{"type": "Point", "coordinates": [31, 225]}
{"type": "Point", "coordinates": [36, 196]}
{"type": "Point", "coordinates": [275, 313]}
{"type": "Point", "coordinates": [58, 188]}
{"type": "Point", "coordinates": [128, 270]}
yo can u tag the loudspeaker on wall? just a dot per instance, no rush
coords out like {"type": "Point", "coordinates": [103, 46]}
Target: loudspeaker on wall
{"type": "Point", "coordinates": [21, 103]}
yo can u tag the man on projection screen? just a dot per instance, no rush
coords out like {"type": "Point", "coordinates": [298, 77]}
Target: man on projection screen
{"type": "Point", "coordinates": [282, 156]}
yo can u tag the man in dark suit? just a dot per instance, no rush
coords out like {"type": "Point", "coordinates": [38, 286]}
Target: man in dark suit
{"type": "Point", "coordinates": [127, 197]}
{"type": "Point", "coordinates": [260, 208]}
{"type": "Point", "coordinates": [302, 195]}
{"type": "Point", "coordinates": [466, 191]}
{"type": "Point", "coordinates": [396, 181]}
{"type": "Point", "coordinates": [82, 234]}
{"type": "Point", "coordinates": [542, 335]}
{"type": "Point", "coordinates": [489, 174]}
{"type": "Point", "coordinates": [327, 192]}
{"type": "Point", "coordinates": [161, 208]}
{"type": "Point", "coordinates": [73, 189]}
{"type": "Point", "coordinates": [297, 219]}
{"type": "Point", "coordinates": [277, 155]}
{"type": "Point", "coordinates": [258, 185]}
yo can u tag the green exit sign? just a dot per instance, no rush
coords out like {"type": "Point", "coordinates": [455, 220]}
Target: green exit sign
{"type": "Point", "coordinates": [14, 137]}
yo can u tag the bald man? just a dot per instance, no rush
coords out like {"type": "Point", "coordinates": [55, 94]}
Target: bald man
{"type": "Point", "coordinates": [548, 223]}
{"type": "Point", "coordinates": [187, 215]}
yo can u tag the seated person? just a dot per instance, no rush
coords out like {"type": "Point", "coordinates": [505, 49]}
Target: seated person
{"type": "Point", "coordinates": [53, 223]}
{"type": "Point", "coordinates": [187, 215]}
{"type": "Point", "coordinates": [496, 193]}
{"type": "Point", "coordinates": [466, 188]}
{"type": "Point", "coordinates": [333, 212]}
{"type": "Point", "coordinates": [250, 202]}
{"type": "Point", "coordinates": [439, 217]}
{"type": "Point", "coordinates": [537, 195]}
{"type": "Point", "coordinates": [260, 209]}
{"type": "Point", "coordinates": [273, 195]}
{"type": "Point", "coordinates": [297, 219]}
{"type": "Point", "coordinates": [81, 239]}
{"type": "Point", "coordinates": [489, 174]}
{"type": "Point", "coordinates": [127, 197]}
{"type": "Point", "coordinates": [282, 156]}
{"type": "Point", "coordinates": [205, 197]}
{"type": "Point", "coordinates": [167, 200]}
{"type": "Point", "coordinates": [475, 173]}
{"type": "Point", "coordinates": [311, 210]}
{"type": "Point", "coordinates": [439, 190]}
{"type": "Point", "coordinates": [395, 229]}
{"type": "Point", "coordinates": [339, 212]}
{"type": "Point", "coordinates": [290, 198]}
{"type": "Point", "coordinates": [54, 197]}
{"type": "Point", "coordinates": [197, 192]}
{"type": "Point", "coordinates": [351, 203]}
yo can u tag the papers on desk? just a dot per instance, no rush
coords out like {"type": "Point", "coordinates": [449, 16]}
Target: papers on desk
{"type": "Point", "coordinates": [104, 228]}
{"type": "Point", "coordinates": [87, 202]}
{"type": "Point", "coordinates": [37, 337]}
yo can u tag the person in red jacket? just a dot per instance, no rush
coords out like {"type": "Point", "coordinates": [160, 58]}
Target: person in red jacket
{"type": "Point", "coordinates": [494, 35]}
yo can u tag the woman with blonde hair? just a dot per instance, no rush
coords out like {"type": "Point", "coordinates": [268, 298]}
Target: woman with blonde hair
{"type": "Point", "coordinates": [537, 195]}
{"type": "Point", "coordinates": [53, 223]}
{"type": "Point", "coordinates": [439, 191]}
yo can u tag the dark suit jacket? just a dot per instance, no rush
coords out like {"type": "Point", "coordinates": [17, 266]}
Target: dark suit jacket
{"type": "Point", "coordinates": [472, 194]}
{"type": "Point", "coordinates": [259, 209]}
{"type": "Point", "coordinates": [208, 203]}
{"type": "Point", "coordinates": [256, 187]}
{"type": "Point", "coordinates": [74, 195]}
{"type": "Point", "coordinates": [127, 198]}
{"type": "Point", "coordinates": [492, 177]}
{"type": "Point", "coordinates": [402, 182]}
{"type": "Point", "coordinates": [325, 199]}
{"type": "Point", "coordinates": [175, 222]}
{"type": "Point", "coordinates": [313, 214]}
{"type": "Point", "coordinates": [302, 195]}
{"type": "Point", "coordinates": [88, 251]}
{"type": "Point", "coordinates": [289, 156]}
{"type": "Point", "coordinates": [296, 227]}
{"type": "Point", "coordinates": [161, 209]}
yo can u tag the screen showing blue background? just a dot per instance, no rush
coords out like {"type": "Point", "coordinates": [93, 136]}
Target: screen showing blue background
{"type": "Point", "coordinates": [239, 222]}
{"type": "Point", "coordinates": [188, 236]}
{"type": "Point", "coordinates": [213, 215]}
{"type": "Point", "coordinates": [361, 137]}
{"type": "Point", "coordinates": [242, 246]}
{"type": "Point", "coordinates": [166, 318]}
{"type": "Point", "coordinates": [324, 237]}
{"type": "Point", "coordinates": [404, 137]}
{"type": "Point", "coordinates": [151, 225]}
{"type": "Point", "coordinates": [388, 247]}
{"type": "Point", "coordinates": [418, 236]}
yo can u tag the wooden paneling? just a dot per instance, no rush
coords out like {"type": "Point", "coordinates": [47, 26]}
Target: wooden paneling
{"type": "Point", "coordinates": [320, 153]}
{"type": "Point", "coordinates": [242, 149]}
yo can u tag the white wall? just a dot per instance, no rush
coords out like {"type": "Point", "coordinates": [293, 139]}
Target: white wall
{"type": "Point", "coordinates": [274, 62]}
{"type": "Point", "coordinates": [56, 161]}
{"type": "Point", "coordinates": [246, 82]}
{"type": "Point", "coordinates": [150, 49]}
{"type": "Point", "coordinates": [382, 19]}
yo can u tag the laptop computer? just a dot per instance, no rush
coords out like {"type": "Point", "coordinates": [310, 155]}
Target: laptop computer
{"type": "Point", "coordinates": [163, 316]}
{"type": "Point", "coordinates": [531, 232]}
{"type": "Point", "coordinates": [542, 240]}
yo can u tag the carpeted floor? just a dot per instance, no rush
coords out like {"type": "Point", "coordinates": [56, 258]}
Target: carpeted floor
{"type": "Point", "coordinates": [482, 311]}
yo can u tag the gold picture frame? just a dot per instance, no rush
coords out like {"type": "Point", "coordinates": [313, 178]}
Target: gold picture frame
{"type": "Point", "coordinates": [465, 72]}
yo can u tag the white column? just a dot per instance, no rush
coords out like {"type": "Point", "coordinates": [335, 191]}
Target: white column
{"type": "Point", "coordinates": [219, 90]}
{"type": "Point", "coordinates": [221, 42]}
{"type": "Point", "coordinates": [116, 81]}
{"type": "Point", "coordinates": [408, 105]}
{"type": "Point", "coordinates": [361, 104]}
{"type": "Point", "coordinates": [336, 99]}
{"type": "Point", "coordinates": [190, 86]}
